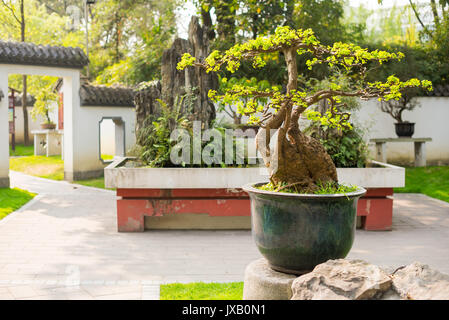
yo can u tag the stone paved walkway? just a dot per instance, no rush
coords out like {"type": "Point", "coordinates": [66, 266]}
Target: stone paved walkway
{"type": "Point", "coordinates": [64, 245]}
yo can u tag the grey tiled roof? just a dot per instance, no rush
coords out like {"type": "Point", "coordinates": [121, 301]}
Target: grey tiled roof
{"type": "Point", "coordinates": [38, 55]}
{"type": "Point", "coordinates": [439, 91]}
{"type": "Point", "coordinates": [31, 100]}
{"type": "Point", "coordinates": [106, 96]}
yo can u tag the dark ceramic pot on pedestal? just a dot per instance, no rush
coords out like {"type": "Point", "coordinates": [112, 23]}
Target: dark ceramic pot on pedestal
{"type": "Point", "coordinates": [405, 129]}
{"type": "Point", "coordinates": [296, 232]}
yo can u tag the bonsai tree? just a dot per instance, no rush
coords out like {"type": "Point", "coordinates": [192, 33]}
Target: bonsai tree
{"type": "Point", "coordinates": [42, 106]}
{"type": "Point", "coordinates": [296, 159]}
{"type": "Point", "coordinates": [395, 108]}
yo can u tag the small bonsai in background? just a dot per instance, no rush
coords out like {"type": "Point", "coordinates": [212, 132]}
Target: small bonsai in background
{"type": "Point", "coordinates": [299, 161]}
{"type": "Point", "coordinates": [43, 106]}
{"type": "Point", "coordinates": [395, 108]}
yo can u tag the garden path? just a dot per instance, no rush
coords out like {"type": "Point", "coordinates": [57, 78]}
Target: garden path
{"type": "Point", "coordinates": [64, 244]}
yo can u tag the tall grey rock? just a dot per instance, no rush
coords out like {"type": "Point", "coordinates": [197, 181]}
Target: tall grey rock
{"type": "Point", "coordinates": [192, 85]}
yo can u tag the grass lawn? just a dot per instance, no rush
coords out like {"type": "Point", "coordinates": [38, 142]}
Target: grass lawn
{"type": "Point", "coordinates": [22, 151]}
{"type": "Point", "coordinates": [96, 183]}
{"type": "Point", "coordinates": [431, 181]}
{"type": "Point", "coordinates": [202, 291]}
{"type": "Point", "coordinates": [39, 166]}
{"type": "Point", "coordinates": [48, 168]}
{"type": "Point", "coordinates": [13, 199]}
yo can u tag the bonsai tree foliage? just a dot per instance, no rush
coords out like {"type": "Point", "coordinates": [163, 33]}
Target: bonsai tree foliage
{"type": "Point", "coordinates": [42, 106]}
{"type": "Point", "coordinates": [228, 84]}
{"type": "Point", "coordinates": [395, 108]}
{"type": "Point", "coordinates": [296, 159]}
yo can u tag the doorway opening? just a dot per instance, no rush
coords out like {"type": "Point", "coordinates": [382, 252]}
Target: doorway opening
{"type": "Point", "coordinates": [112, 138]}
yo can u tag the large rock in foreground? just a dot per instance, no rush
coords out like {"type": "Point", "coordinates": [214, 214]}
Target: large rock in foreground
{"type": "Point", "coordinates": [357, 279]}
{"type": "Point", "coordinates": [342, 280]}
{"type": "Point", "coordinates": [418, 282]}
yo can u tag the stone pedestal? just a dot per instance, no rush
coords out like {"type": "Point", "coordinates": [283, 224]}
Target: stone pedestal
{"type": "Point", "coordinates": [420, 149]}
{"type": "Point", "coordinates": [47, 142]}
{"type": "Point", "coordinates": [263, 283]}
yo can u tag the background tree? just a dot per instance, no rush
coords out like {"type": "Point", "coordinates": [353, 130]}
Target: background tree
{"type": "Point", "coordinates": [262, 17]}
{"type": "Point", "coordinates": [17, 12]}
{"type": "Point", "coordinates": [60, 7]}
{"type": "Point", "coordinates": [325, 18]}
{"type": "Point", "coordinates": [29, 20]}
{"type": "Point", "coordinates": [129, 38]}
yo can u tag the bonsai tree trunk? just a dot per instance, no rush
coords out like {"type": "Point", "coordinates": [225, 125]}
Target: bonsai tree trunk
{"type": "Point", "coordinates": [297, 159]}
{"type": "Point", "coordinates": [47, 116]}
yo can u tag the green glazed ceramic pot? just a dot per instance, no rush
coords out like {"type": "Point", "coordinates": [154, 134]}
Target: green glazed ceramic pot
{"type": "Point", "coordinates": [296, 232]}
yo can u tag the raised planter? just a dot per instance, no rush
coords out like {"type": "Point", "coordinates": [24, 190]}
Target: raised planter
{"type": "Point", "coordinates": [212, 198]}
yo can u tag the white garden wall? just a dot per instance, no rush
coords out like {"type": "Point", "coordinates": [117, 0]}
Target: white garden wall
{"type": "Point", "coordinates": [431, 121]}
{"type": "Point", "coordinates": [89, 151]}
{"type": "Point", "coordinates": [32, 124]}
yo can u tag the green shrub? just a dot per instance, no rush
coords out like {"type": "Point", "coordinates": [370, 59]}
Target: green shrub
{"type": "Point", "coordinates": [347, 149]}
{"type": "Point", "coordinates": [156, 144]}
{"type": "Point", "coordinates": [155, 135]}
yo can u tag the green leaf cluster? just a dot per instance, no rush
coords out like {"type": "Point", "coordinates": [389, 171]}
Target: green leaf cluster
{"type": "Point", "coordinates": [351, 58]}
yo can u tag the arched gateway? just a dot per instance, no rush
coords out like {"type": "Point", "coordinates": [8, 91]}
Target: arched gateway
{"type": "Point", "coordinates": [62, 62]}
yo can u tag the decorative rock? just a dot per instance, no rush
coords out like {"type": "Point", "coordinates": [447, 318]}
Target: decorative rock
{"type": "Point", "coordinates": [418, 282]}
{"type": "Point", "coordinates": [342, 280]}
{"type": "Point", "coordinates": [263, 283]}
{"type": "Point", "coordinates": [346, 280]}
{"type": "Point", "coordinates": [190, 86]}
{"type": "Point", "coordinates": [192, 83]}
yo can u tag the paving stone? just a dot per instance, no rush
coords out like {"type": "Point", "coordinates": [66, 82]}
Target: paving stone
{"type": "Point", "coordinates": [54, 234]}
{"type": "Point", "coordinates": [121, 296]}
{"type": "Point", "coordinates": [6, 296]}
{"type": "Point", "coordinates": [96, 291]}
{"type": "Point", "coordinates": [20, 292]}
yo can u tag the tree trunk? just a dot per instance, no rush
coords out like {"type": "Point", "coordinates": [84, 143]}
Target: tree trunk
{"type": "Point", "coordinates": [436, 18]}
{"type": "Point", "coordinates": [207, 23]}
{"type": "Point", "coordinates": [225, 23]}
{"type": "Point", "coordinates": [297, 160]}
{"type": "Point", "coordinates": [26, 138]}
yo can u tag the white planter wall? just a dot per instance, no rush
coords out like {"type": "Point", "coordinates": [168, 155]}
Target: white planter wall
{"type": "Point", "coordinates": [117, 176]}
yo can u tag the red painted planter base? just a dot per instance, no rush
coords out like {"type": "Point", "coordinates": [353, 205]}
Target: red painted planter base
{"type": "Point", "coordinates": [376, 209]}
{"type": "Point", "coordinates": [133, 205]}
